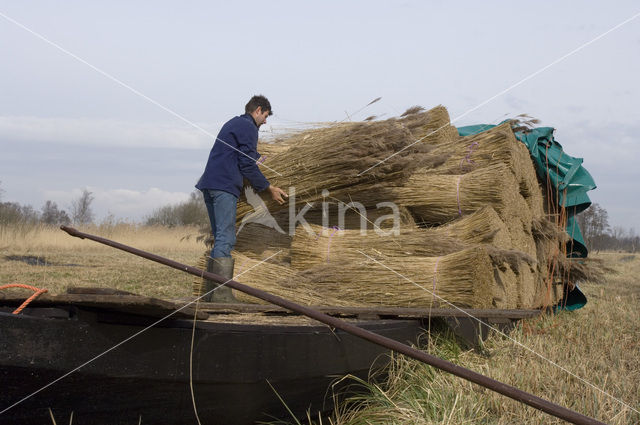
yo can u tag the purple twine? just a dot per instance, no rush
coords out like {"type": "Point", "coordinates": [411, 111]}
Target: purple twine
{"type": "Point", "coordinates": [262, 159]}
{"type": "Point", "coordinates": [467, 158]}
{"type": "Point", "coordinates": [335, 229]}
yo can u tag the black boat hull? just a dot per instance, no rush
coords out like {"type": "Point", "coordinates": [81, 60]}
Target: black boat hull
{"type": "Point", "coordinates": [147, 377]}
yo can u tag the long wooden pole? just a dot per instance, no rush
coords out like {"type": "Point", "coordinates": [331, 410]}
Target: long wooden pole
{"type": "Point", "coordinates": [497, 386]}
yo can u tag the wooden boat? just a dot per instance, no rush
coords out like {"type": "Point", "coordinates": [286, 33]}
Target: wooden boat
{"type": "Point", "coordinates": [115, 358]}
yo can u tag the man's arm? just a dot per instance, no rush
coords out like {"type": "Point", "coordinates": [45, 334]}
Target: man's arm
{"type": "Point", "coordinates": [247, 142]}
{"type": "Point", "coordinates": [247, 159]}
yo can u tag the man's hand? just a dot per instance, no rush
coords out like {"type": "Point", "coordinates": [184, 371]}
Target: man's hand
{"type": "Point", "coordinates": [277, 194]}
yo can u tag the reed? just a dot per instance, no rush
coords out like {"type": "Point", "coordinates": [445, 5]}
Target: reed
{"type": "Point", "coordinates": [335, 158]}
{"type": "Point", "coordinates": [326, 245]}
{"type": "Point", "coordinates": [497, 145]}
{"type": "Point", "coordinates": [482, 226]}
{"type": "Point", "coordinates": [273, 278]}
{"type": "Point", "coordinates": [505, 288]}
{"type": "Point", "coordinates": [437, 198]}
{"type": "Point", "coordinates": [462, 278]}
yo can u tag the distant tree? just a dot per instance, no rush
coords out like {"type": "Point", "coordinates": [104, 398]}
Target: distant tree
{"type": "Point", "coordinates": [54, 216]}
{"type": "Point", "coordinates": [189, 212]}
{"type": "Point", "coordinates": [13, 212]}
{"type": "Point", "coordinates": [81, 211]}
{"type": "Point", "coordinates": [594, 223]}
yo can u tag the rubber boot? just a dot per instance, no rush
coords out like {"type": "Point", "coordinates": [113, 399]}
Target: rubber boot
{"type": "Point", "coordinates": [222, 266]}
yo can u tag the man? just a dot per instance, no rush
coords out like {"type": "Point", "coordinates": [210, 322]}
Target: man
{"type": "Point", "coordinates": [232, 158]}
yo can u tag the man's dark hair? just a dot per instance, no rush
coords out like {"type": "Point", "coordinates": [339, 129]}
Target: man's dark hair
{"type": "Point", "coordinates": [258, 101]}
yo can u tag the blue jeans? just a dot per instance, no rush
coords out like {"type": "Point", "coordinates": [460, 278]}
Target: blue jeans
{"type": "Point", "coordinates": [221, 207]}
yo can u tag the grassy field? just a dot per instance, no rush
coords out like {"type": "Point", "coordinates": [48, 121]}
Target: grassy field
{"type": "Point", "coordinates": [76, 262]}
{"type": "Point", "coordinates": [599, 344]}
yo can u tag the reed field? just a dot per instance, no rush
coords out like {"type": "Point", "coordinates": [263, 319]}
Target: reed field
{"type": "Point", "coordinates": [598, 343]}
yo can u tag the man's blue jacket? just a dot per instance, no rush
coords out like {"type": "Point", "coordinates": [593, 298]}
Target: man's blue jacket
{"type": "Point", "coordinates": [227, 166]}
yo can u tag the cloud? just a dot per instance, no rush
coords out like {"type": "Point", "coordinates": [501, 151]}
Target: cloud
{"type": "Point", "coordinates": [105, 132]}
{"type": "Point", "coordinates": [117, 133]}
{"type": "Point", "coordinates": [123, 203]}
{"type": "Point", "coordinates": [613, 145]}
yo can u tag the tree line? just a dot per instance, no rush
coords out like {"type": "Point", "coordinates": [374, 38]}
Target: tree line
{"type": "Point", "coordinates": [80, 211]}
{"type": "Point", "coordinates": [599, 235]}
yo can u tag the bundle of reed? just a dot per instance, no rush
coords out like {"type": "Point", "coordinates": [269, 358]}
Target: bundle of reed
{"type": "Point", "coordinates": [523, 242]}
{"type": "Point", "coordinates": [498, 144]}
{"type": "Point", "coordinates": [327, 245]}
{"type": "Point", "coordinates": [550, 239]}
{"type": "Point", "coordinates": [352, 157]}
{"type": "Point", "coordinates": [517, 215]}
{"type": "Point", "coordinates": [257, 241]}
{"type": "Point", "coordinates": [272, 278]}
{"type": "Point", "coordinates": [528, 181]}
{"type": "Point", "coordinates": [505, 287]}
{"type": "Point", "coordinates": [260, 240]}
{"type": "Point", "coordinates": [575, 270]}
{"type": "Point", "coordinates": [438, 199]}
{"type": "Point", "coordinates": [528, 288]}
{"type": "Point", "coordinates": [482, 226]}
{"type": "Point", "coordinates": [562, 274]}
{"type": "Point", "coordinates": [438, 130]}
{"type": "Point", "coordinates": [463, 278]}
{"type": "Point", "coordinates": [351, 217]}
{"type": "Point", "coordinates": [269, 149]}
{"type": "Point", "coordinates": [481, 150]}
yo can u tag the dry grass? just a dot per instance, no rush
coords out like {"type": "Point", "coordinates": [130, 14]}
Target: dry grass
{"type": "Point", "coordinates": [75, 262]}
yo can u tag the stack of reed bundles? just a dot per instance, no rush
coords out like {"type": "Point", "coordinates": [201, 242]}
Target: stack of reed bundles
{"type": "Point", "coordinates": [334, 158]}
{"type": "Point", "coordinates": [476, 200]}
{"type": "Point", "coordinates": [322, 246]}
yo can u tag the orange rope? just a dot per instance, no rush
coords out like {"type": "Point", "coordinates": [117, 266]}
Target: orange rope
{"type": "Point", "coordinates": [36, 294]}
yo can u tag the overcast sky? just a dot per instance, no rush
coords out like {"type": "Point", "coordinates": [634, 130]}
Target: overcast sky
{"type": "Point", "coordinates": [64, 126]}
